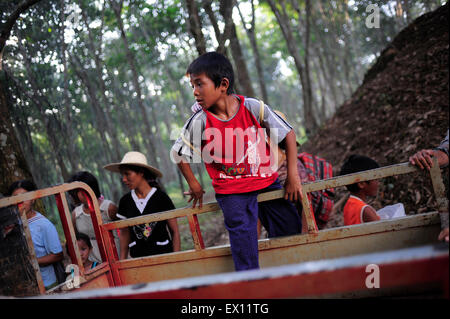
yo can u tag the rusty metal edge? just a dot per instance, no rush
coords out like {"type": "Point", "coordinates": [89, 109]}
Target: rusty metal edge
{"type": "Point", "coordinates": [380, 258]}
{"type": "Point", "coordinates": [337, 233]}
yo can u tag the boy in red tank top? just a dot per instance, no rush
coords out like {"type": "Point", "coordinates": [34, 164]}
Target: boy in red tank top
{"type": "Point", "coordinates": [356, 211]}
{"type": "Point", "coordinates": [227, 136]}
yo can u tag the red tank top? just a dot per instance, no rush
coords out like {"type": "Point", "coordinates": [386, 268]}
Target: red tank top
{"type": "Point", "coordinates": [238, 155]}
{"type": "Point", "coordinates": [353, 211]}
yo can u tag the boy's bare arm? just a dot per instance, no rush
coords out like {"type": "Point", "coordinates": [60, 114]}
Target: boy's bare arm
{"type": "Point", "coordinates": [370, 215]}
{"type": "Point", "coordinates": [195, 188]}
{"type": "Point", "coordinates": [293, 185]}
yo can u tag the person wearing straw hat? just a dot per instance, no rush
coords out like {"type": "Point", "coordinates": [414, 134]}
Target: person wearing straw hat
{"type": "Point", "coordinates": [145, 197]}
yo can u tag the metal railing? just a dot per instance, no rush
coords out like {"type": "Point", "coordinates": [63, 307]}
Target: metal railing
{"type": "Point", "coordinates": [106, 247]}
{"type": "Point", "coordinates": [104, 234]}
{"type": "Point", "coordinates": [191, 213]}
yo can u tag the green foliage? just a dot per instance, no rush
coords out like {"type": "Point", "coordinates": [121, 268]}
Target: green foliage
{"type": "Point", "coordinates": [54, 105]}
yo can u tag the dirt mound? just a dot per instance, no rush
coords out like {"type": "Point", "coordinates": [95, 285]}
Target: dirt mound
{"type": "Point", "coordinates": [401, 107]}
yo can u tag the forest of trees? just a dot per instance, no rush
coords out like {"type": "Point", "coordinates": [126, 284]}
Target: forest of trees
{"type": "Point", "coordinates": [82, 82]}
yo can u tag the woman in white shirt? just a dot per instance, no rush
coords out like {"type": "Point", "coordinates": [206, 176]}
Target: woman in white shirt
{"type": "Point", "coordinates": [81, 217]}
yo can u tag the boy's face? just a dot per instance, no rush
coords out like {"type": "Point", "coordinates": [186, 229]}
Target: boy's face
{"type": "Point", "coordinates": [372, 187]}
{"type": "Point", "coordinates": [205, 92]}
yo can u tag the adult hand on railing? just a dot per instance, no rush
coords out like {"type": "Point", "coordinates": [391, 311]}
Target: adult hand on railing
{"type": "Point", "coordinates": [423, 158]}
{"type": "Point", "coordinates": [444, 225]}
{"type": "Point", "coordinates": [444, 235]}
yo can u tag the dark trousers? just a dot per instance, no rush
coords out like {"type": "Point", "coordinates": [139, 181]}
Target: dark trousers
{"type": "Point", "coordinates": [241, 211]}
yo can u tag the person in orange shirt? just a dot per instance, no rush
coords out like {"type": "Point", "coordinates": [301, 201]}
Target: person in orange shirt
{"type": "Point", "coordinates": [356, 211]}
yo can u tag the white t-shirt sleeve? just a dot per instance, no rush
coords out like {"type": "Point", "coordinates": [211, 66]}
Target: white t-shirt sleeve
{"type": "Point", "coordinates": [188, 144]}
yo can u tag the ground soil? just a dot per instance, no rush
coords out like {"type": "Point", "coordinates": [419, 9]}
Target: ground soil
{"type": "Point", "coordinates": [401, 107]}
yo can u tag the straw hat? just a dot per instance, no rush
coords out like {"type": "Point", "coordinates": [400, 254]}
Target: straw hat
{"type": "Point", "coordinates": [135, 159]}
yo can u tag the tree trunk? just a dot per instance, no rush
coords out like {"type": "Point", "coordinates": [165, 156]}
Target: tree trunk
{"type": "Point", "coordinates": [283, 20]}
{"type": "Point", "coordinates": [124, 111]}
{"type": "Point", "coordinates": [19, 277]}
{"type": "Point", "coordinates": [351, 45]}
{"type": "Point", "coordinates": [99, 122]}
{"type": "Point", "coordinates": [229, 32]}
{"type": "Point", "coordinates": [328, 80]}
{"type": "Point", "coordinates": [251, 35]}
{"type": "Point", "coordinates": [182, 99]}
{"type": "Point", "coordinates": [307, 46]}
{"type": "Point", "coordinates": [66, 108]}
{"type": "Point", "coordinates": [322, 111]}
{"type": "Point", "coordinates": [309, 90]}
{"type": "Point", "coordinates": [23, 133]}
{"type": "Point", "coordinates": [19, 271]}
{"type": "Point", "coordinates": [166, 165]}
{"type": "Point", "coordinates": [148, 136]}
{"type": "Point", "coordinates": [241, 70]}
{"type": "Point", "coordinates": [40, 101]}
{"type": "Point", "coordinates": [5, 30]}
{"type": "Point", "coordinates": [240, 64]}
{"type": "Point", "coordinates": [195, 26]}
{"type": "Point", "coordinates": [13, 165]}
{"type": "Point", "coordinates": [329, 61]}
{"type": "Point", "coordinates": [108, 122]}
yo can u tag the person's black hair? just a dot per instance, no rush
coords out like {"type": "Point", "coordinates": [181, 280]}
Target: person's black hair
{"type": "Point", "coordinates": [216, 66]}
{"type": "Point", "coordinates": [87, 178]}
{"type": "Point", "coordinates": [357, 163]}
{"type": "Point", "coordinates": [26, 184]}
{"type": "Point", "coordinates": [85, 238]}
{"type": "Point", "coordinates": [148, 175]}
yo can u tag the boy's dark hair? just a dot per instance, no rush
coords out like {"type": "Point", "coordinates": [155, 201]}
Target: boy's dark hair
{"type": "Point", "coordinates": [216, 67]}
{"type": "Point", "coordinates": [26, 184]}
{"type": "Point", "coordinates": [357, 163]}
{"type": "Point", "coordinates": [85, 238]}
{"type": "Point", "coordinates": [87, 178]}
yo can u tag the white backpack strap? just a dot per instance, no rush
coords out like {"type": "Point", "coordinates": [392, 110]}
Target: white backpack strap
{"type": "Point", "coordinates": [190, 145]}
{"type": "Point", "coordinates": [261, 112]}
